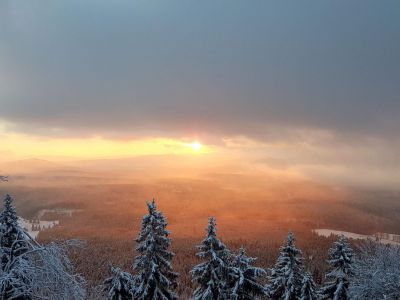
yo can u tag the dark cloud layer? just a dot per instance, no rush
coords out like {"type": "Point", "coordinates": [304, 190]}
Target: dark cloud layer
{"type": "Point", "coordinates": [182, 67]}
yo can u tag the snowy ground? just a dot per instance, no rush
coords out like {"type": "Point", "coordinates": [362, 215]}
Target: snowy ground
{"type": "Point", "coordinates": [33, 227]}
{"type": "Point", "coordinates": [384, 238]}
{"type": "Point", "coordinates": [59, 211]}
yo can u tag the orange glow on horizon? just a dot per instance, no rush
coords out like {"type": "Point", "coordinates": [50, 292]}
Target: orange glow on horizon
{"type": "Point", "coordinates": [17, 146]}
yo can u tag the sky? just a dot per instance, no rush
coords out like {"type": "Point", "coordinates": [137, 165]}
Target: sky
{"type": "Point", "coordinates": [311, 86]}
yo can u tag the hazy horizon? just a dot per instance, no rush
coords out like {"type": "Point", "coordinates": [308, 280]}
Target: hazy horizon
{"type": "Point", "coordinates": [310, 90]}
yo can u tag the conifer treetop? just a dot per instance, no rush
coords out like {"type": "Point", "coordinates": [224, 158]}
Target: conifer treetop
{"type": "Point", "coordinates": [9, 215]}
{"type": "Point", "coordinates": [245, 279]}
{"type": "Point", "coordinates": [154, 277]}
{"type": "Point", "coordinates": [212, 275]}
{"type": "Point", "coordinates": [340, 262]}
{"type": "Point", "coordinates": [290, 244]}
{"type": "Point", "coordinates": [13, 238]}
{"type": "Point", "coordinates": [212, 227]}
{"type": "Point", "coordinates": [211, 243]}
{"type": "Point", "coordinates": [287, 274]}
{"type": "Point", "coordinates": [340, 258]}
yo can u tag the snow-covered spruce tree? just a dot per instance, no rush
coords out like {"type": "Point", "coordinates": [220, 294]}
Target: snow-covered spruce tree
{"type": "Point", "coordinates": [119, 286]}
{"type": "Point", "coordinates": [13, 240]}
{"type": "Point", "coordinates": [13, 243]}
{"type": "Point", "coordinates": [308, 288]}
{"type": "Point", "coordinates": [245, 279]}
{"type": "Point", "coordinates": [29, 270]}
{"type": "Point", "coordinates": [154, 277]}
{"type": "Point", "coordinates": [287, 275]}
{"type": "Point", "coordinates": [376, 272]}
{"type": "Point", "coordinates": [212, 275]}
{"type": "Point", "coordinates": [337, 280]}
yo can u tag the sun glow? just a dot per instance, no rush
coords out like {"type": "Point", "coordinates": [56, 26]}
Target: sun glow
{"type": "Point", "coordinates": [18, 146]}
{"type": "Point", "coordinates": [196, 146]}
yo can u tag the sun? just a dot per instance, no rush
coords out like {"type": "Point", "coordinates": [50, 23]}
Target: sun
{"type": "Point", "coordinates": [196, 146]}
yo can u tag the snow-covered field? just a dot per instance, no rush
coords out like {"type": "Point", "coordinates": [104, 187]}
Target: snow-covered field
{"type": "Point", "coordinates": [350, 235]}
{"type": "Point", "coordinates": [385, 238]}
{"type": "Point", "coordinates": [59, 211]}
{"type": "Point", "coordinates": [33, 227]}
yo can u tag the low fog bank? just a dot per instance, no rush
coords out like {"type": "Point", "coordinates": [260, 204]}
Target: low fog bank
{"type": "Point", "coordinates": [248, 202]}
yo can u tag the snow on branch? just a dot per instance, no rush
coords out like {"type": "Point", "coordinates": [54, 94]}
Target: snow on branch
{"type": "Point", "coordinates": [29, 270]}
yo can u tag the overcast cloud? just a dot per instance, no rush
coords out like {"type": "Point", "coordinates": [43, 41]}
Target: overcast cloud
{"type": "Point", "coordinates": [175, 68]}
